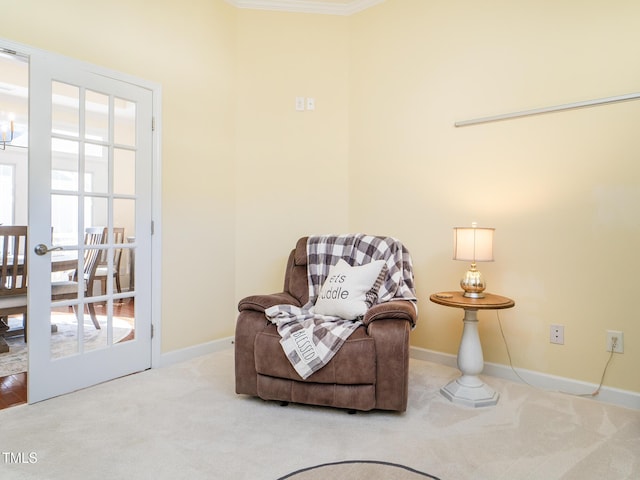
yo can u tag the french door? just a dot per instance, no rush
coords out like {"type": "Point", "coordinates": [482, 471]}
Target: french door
{"type": "Point", "coordinates": [90, 219]}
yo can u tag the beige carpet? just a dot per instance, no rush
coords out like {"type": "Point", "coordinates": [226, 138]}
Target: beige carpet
{"type": "Point", "coordinates": [186, 422]}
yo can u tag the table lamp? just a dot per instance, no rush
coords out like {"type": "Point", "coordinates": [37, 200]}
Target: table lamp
{"type": "Point", "coordinates": [473, 244]}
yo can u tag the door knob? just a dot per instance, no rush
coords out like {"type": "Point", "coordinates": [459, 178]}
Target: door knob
{"type": "Point", "coordinates": [42, 249]}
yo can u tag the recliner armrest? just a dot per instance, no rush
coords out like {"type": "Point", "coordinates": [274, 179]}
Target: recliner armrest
{"type": "Point", "coordinates": [394, 309]}
{"type": "Point", "coordinates": [260, 303]}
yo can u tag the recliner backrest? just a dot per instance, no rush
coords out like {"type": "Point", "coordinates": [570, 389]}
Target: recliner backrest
{"type": "Point", "coordinates": [296, 275]}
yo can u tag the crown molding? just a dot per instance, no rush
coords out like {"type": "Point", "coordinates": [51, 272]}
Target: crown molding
{"type": "Point", "coordinates": [347, 7]}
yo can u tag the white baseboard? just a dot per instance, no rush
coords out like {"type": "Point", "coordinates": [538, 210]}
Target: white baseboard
{"type": "Point", "coordinates": [544, 381]}
{"type": "Point", "coordinates": [188, 353]}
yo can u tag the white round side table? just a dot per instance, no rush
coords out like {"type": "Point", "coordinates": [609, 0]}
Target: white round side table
{"type": "Point", "coordinates": [469, 389]}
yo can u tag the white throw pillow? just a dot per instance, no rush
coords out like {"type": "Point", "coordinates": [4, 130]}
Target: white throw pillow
{"type": "Point", "coordinates": [344, 292]}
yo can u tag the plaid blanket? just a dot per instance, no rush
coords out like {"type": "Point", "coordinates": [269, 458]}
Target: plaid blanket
{"type": "Point", "coordinates": [310, 340]}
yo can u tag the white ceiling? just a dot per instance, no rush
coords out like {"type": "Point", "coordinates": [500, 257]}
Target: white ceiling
{"type": "Point", "coordinates": [328, 7]}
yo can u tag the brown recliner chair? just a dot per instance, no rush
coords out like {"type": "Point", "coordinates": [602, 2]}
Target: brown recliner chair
{"type": "Point", "coordinates": [370, 371]}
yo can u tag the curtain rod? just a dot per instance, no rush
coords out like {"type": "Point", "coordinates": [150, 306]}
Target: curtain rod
{"type": "Point", "coordinates": [556, 108]}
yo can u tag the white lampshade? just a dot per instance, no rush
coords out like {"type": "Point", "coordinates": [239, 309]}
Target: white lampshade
{"type": "Point", "coordinates": [473, 244]}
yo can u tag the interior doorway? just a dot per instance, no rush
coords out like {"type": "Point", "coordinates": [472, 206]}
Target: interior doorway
{"type": "Point", "coordinates": [76, 167]}
{"type": "Point", "coordinates": [14, 158]}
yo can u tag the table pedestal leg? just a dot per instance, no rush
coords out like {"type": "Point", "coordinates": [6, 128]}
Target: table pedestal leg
{"type": "Point", "coordinates": [468, 389]}
{"type": "Point", "coordinates": [4, 328]}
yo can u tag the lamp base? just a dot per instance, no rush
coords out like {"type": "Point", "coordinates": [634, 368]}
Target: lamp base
{"type": "Point", "coordinates": [473, 283]}
{"type": "Point", "coordinates": [473, 294]}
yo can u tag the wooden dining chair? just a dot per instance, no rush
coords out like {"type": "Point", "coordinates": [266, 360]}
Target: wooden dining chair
{"type": "Point", "coordinates": [68, 289]}
{"type": "Point", "coordinates": [102, 270]}
{"type": "Point", "coordinates": [13, 278]}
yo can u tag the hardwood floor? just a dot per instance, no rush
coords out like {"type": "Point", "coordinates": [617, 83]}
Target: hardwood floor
{"type": "Point", "coordinates": [13, 388]}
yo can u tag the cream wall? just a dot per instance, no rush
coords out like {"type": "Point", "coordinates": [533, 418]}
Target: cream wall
{"type": "Point", "coordinates": [292, 167]}
{"type": "Point", "coordinates": [562, 190]}
{"type": "Point", "coordinates": [191, 52]}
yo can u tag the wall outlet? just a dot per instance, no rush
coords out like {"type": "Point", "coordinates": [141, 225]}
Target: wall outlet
{"type": "Point", "coordinates": [619, 336]}
{"type": "Point", "coordinates": [556, 334]}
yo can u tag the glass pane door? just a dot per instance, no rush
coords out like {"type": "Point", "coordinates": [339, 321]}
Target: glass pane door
{"type": "Point", "coordinates": [93, 207]}
{"type": "Point", "coordinates": [93, 137]}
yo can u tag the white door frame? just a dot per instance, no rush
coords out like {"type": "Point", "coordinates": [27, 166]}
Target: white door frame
{"type": "Point", "coordinates": [156, 200]}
